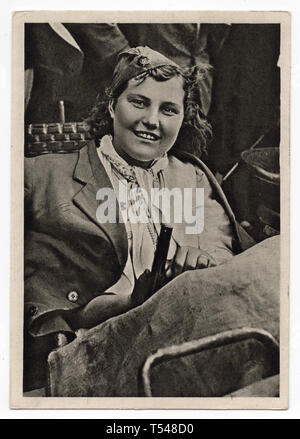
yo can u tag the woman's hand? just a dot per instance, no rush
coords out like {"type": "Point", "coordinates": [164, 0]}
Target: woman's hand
{"type": "Point", "coordinates": [188, 258]}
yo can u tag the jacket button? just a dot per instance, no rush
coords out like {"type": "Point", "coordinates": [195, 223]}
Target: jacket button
{"type": "Point", "coordinates": [32, 311]}
{"type": "Point", "coordinates": [73, 296]}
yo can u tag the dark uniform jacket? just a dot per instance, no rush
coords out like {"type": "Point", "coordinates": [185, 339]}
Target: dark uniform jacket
{"type": "Point", "coordinates": [69, 257]}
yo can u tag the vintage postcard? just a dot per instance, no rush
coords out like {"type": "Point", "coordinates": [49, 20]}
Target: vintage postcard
{"type": "Point", "coordinates": [150, 210]}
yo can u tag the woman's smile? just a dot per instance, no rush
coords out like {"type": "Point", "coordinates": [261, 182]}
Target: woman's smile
{"type": "Point", "coordinates": [147, 118]}
{"type": "Point", "coordinates": [147, 136]}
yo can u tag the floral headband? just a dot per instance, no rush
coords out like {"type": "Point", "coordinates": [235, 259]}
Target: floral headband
{"type": "Point", "coordinates": [138, 62]}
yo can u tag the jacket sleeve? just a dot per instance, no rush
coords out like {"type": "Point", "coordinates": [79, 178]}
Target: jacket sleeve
{"type": "Point", "coordinates": [241, 239]}
{"type": "Point", "coordinates": [101, 42]}
{"type": "Point", "coordinates": [37, 320]}
{"type": "Point", "coordinates": [217, 235]}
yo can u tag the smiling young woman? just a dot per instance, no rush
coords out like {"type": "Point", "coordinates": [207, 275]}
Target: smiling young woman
{"type": "Point", "coordinates": [136, 65]}
{"type": "Point", "coordinates": [79, 272]}
{"type": "Point", "coordinates": [147, 117]}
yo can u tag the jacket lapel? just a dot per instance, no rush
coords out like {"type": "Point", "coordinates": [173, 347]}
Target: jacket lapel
{"type": "Point", "coordinates": [90, 171]}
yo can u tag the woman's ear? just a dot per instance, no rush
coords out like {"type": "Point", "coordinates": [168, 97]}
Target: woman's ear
{"type": "Point", "coordinates": [111, 108]}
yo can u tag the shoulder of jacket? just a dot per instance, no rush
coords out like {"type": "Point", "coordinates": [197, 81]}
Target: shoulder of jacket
{"type": "Point", "coordinates": [54, 158]}
{"type": "Point", "coordinates": [50, 166]}
{"type": "Point", "coordinates": [180, 161]}
{"type": "Point", "coordinates": [191, 159]}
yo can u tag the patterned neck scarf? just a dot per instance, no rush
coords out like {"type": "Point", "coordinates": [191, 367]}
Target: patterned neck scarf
{"type": "Point", "coordinates": [135, 174]}
{"type": "Point", "coordinates": [144, 235]}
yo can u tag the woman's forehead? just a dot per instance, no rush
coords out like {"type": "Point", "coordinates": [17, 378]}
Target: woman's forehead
{"type": "Point", "coordinates": [169, 90]}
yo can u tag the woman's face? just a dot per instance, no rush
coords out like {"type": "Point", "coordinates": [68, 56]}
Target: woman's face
{"type": "Point", "coordinates": [147, 117]}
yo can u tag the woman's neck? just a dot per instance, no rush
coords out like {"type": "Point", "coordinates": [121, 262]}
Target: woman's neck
{"type": "Point", "coordinates": [131, 161]}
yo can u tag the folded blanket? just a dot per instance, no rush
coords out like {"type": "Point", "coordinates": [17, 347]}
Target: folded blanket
{"type": "Point", "coordinates": [244, 292]}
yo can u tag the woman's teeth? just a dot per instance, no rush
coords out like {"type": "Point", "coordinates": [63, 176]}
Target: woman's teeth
{"type": "Point", "coordinates": [146, 136]}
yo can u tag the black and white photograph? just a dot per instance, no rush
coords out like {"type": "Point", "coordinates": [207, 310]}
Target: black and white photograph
{"type": "Point", "coordinates": [152, 239]}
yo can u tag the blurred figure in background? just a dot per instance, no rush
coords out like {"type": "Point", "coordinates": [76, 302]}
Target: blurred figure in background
{"type": "Point", "coordinates": [66, 60]}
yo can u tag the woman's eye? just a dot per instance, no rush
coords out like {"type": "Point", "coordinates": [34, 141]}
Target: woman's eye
{"type": "Point", "coordinates": [139, 103]}
{"type": "Point", "coordinates": [170, 111]}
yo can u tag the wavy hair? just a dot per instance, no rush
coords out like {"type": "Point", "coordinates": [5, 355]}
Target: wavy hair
{"type": "Point", "coordinates": [195, 131]}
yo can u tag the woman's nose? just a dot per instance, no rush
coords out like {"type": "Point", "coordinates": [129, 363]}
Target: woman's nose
{"type": "Point", "coordinates": [151, 118]}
